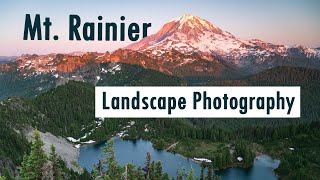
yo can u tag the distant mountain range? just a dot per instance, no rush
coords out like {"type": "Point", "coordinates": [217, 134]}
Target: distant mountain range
{"type": "Point", "coordinates": [188, 46]}
{"type": "Point", "coordinates": [6, 59]}
{"type": "Point", "coordinates": [191, 35]}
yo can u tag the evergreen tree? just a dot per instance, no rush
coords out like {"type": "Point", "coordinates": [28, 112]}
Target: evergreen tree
{"type": "Point", "coordinates": [190, 175]}
{"type": "Point", "coordinates": [165, 176]}
{"type": "Point", "coordinates": [140, 175]}
{"type": "Point", "coordinates": [47, 171]}
{"type": "Point", "coordinates": [218, 161]}
{"type": "Point", "coordinates": [129, 171]}
{"type": "Point", "coordinates": [202, 171]}
{"type": "Point", "coordinates": [33, 163]}
{"type": "Point", "coordinates": [228, 157]}
{"type": "Point", "coordinates": [248, 157]}
{"type": "Point", "coordinates": [158, 170]}
{"type": "Point", "coordinates": [152, 171]}
{"type": "Point", "coordinates": [96, 170]}
{"type": "Point", "coordinates": [147, 167]}
{"type": "Point", "coordinates": [275, 134]}
{"type": "Point", "coordinates": [85, 175]}
{"type": "Point", "coordinates": [210, 173]}
{"type": "Point", "coordinates": [114, 170]}
{"type": "Point", "coordinates": [55, 159]}
{"type": "Point", "coordinates": [182, 174]}
{"type": "Point", "coordinates": [7, 174]}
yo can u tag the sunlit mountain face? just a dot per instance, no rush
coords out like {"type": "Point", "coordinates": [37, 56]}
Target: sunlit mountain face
{"type": "Point", "coordinates": [185, 46]}
{"type": "Point", "coordinates": [191, 34]}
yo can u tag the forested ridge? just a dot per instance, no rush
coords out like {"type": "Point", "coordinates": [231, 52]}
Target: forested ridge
{"type": "Point", "coordinates": [29, 84]}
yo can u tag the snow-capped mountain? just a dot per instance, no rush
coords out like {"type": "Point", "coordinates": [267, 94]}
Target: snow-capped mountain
{"type": "Point", "coordinates": [191, 34]}
{"type": "Point", "coordinates": [185, 46]}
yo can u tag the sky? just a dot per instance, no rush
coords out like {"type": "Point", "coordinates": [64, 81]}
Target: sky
{"type": "Point", "coordinates": [287, 22]}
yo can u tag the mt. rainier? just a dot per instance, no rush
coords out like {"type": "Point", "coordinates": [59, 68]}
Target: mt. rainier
{"type": "Point", "coordinates": [191, 34]}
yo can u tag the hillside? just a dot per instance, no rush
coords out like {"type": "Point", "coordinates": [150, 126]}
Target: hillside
{"type": "Point", "coordinates": [287, 76]}
{"type": "Point", "coordinates": [22, 84]}
{"type": "Point", "coordinates": [307, 79]}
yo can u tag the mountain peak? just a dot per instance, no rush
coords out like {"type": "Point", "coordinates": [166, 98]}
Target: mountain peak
{"type": "Point", "coordinates": [185, 17]}
{"type": "Point", "coordinates": [191, 21]}
{"type": "Point", "coordinates": [186, 33]}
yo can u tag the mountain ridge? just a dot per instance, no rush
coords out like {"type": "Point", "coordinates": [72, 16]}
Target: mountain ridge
{"type": "Point", "coordinates": [185, 46]}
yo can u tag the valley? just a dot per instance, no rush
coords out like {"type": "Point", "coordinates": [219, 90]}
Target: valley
{"type": "Point", "coordinates": [68, 111]}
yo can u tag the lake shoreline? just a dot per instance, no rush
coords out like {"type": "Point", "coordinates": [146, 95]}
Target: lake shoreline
{"type": "Point", "coordinates": [139, 140]}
